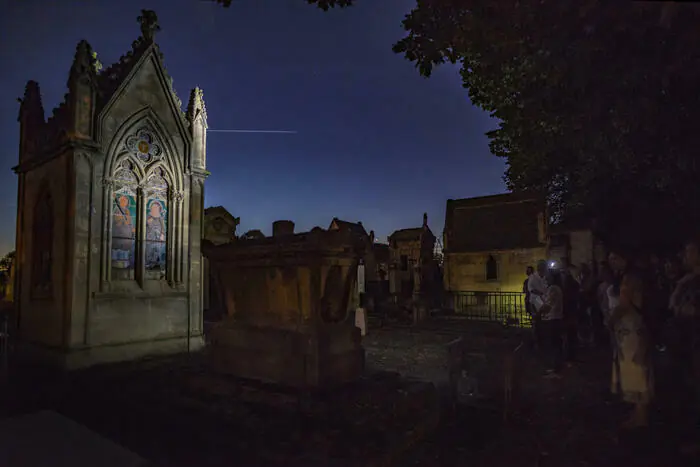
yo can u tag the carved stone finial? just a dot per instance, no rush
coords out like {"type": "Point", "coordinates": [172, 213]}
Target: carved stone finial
{"type": "Point", "coordinates": [149, 24]}
{"type": "Point", "coordinates": [196, 106]}
{"type": "Point", "coordinates": [30, 105]}
{"type": "Point", "coordinates": [85, 65]}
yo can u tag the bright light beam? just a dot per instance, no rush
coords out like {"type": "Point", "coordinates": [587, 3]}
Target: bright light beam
{"type": "Point", "coordinates": [287, 132]}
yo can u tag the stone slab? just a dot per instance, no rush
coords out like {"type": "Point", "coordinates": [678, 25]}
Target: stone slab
{"type": "Point", "coordinates": [48, 439]}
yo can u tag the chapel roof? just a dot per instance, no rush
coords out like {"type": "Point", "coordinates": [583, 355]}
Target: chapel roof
{"type": "Point", "coordinates": [355, 227]}
{"type": "Point", "coordinates": [498, 222]}
{"type": "Point", "coordinates": [412, 233]}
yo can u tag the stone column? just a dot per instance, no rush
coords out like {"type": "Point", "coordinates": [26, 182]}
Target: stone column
{"type": "Point", "coordinates": [418, 305]}
{"type": "Point", "coordinates": [393, 282]}
{"type": "Point", "coordinates": [360, 311]}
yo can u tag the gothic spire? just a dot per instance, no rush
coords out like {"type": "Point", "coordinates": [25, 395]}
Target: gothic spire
{"type": "Point", "coordinates": [85, 66]}
{"type": "Point", "coordinates": [31, 109]}
{"type": "Point", "coordinates": [196, 107]}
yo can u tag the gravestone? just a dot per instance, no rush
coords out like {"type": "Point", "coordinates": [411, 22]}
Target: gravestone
{"type": "Point", "coordinates": [287, 309]}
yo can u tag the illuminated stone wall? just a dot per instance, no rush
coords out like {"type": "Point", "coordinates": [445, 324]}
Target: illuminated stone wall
{"type": "Point", "coordinates": [467, 271]}
{"type": "Point", "coordinates": [109, 219]}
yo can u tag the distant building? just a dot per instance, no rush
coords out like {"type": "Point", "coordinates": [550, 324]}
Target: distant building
{"type": "Point", "coordinates": [382, 255]}
{"type": "Point", "coordinates": [408, 249]}
{"type": "Point", "coordinates": [356, 228]}
{"type": "Point", "coordinates": [489, 241]}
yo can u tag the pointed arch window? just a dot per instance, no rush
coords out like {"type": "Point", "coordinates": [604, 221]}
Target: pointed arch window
{"type": "Point", "coordinates": [491, 268]}
{"type": "Point", "coordinates": [140, 189]}
{"type": "Point", "coordinates": [124, 222]}
{"type": "Point", "coordinates": [156, 237]}
{"type": "Point", "coordinates": [42, 245]}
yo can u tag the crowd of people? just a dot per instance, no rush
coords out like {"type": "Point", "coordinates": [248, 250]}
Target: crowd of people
{"type": "Point", "coordinates": [635, 304]}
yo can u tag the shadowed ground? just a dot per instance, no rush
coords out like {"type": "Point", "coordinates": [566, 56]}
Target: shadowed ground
{"type": "Point", "coordinates": [175, 412]}
{"type": "Point", "coordinates": [569, 422]}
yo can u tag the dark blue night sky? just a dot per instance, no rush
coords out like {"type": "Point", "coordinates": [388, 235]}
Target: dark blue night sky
{"type": "Point", "coordinates": [375, 142]}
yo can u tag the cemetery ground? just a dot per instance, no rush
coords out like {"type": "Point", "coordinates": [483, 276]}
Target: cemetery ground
{"type": "Point", "coordinates": [174, 412]}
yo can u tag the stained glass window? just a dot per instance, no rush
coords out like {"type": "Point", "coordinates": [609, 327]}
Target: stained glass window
{"type": "Point", "coordinates": [143, 145]}
{"type": "Point", "coordinates": [156, 225]}
{"type": "Point", "coordinates": [124, 223]}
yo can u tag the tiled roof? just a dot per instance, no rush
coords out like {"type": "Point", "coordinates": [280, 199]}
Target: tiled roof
{"type": "Point", "coordinates": [499, 222]}
{"type": "Point", "coordinates": [410, 234]}
{"type": "Point", "coordinates": [354, 227]}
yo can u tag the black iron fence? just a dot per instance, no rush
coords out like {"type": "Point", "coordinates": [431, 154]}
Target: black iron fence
{"type": "Point", "coordinates": [508, 308]}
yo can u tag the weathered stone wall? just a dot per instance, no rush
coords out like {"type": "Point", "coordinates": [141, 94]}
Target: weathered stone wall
{"type": "Point", "coordinates": [412, 250]}
{"type": "Point", "coordinates": [286, 298]}
{"type": "Point", "coordinates": [92, 317]}
{"type": "Point", "coordinates": [44, 318]}
{"type": "Point", "coordinates": [147, 89]}
{"type": "Point", "coordinates": [467, 271]}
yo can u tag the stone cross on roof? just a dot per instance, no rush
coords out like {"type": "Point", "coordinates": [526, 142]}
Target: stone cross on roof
{"type": "Point", "coordinates": [149, 24]}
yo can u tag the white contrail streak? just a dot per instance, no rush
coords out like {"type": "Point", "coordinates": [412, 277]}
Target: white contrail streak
{"type": "Point", "coordinates": [288, 132]}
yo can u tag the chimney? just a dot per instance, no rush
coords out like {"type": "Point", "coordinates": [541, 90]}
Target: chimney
{"type": "Point", "coordinates": [281, 228]}
{"type": "Point", "coordinates": [371, 237]}
{"type": "Point", "coordinates": [425, 219]}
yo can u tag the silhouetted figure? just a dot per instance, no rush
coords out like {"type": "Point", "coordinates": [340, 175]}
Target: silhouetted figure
{"type": "Point", "coordinates": [537, 288]}
{"type": "Point", "coordinates": [551, 324]}
{"type": "Point", "coordinates": [571, 309]}
{"type": "Point", "coordinates": [685, 303]}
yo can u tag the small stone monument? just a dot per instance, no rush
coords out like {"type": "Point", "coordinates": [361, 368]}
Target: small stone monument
{"type": "Point", "coordinates": [286, 299]}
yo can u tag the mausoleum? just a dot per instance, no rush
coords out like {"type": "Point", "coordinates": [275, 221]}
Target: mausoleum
{"type": "Point", "coordinates": [109, 218]}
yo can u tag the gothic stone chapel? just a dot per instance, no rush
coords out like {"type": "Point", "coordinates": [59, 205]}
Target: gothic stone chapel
{"type": "Point", "coordinates": [109, 217]}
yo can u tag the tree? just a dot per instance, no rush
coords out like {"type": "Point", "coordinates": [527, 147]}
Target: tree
{"type": "Point", "coordinates": [7, 260]}
{"type": "Point", "coordinates": [322, 4]}
{"type": "Point", "coordinates": [597, 101]}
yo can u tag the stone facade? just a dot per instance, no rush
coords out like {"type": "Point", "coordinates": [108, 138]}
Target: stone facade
{"type": "Point", "coordinates": [109, 216]}
{"type": "Point", "coordinates": [411, 250]}
{"type": "Point", "coordinates": [489, 242]}
{"type": "Point", "coordinates": [286, 300]}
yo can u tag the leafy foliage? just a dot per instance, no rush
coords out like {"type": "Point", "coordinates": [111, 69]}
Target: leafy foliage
{"type": "Point", "coordinates": [322, 4]}
{"type": "Point", "coordinates": [7, 260]}
{"type": "Point", "coordinates": [597, 101]}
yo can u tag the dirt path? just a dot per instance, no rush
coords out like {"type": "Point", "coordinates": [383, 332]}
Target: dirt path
{"type": "Point", "coordinates": [568, 422]}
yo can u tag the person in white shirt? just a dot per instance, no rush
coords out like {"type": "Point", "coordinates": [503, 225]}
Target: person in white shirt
{"type": "Point", "coordinates": [551, 323]}
{"type": "Point", "coordinates": [537, 285]}
{"type": "Point", "coordinates": [618, 264]}
{"type": "Point", "coordinates": [537, 288]}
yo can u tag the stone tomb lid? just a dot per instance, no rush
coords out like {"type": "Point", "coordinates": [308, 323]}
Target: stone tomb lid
{"type": "Point", "coordinates": [48, 439]}
{"type": "Point", "coordinates": [341, 243]}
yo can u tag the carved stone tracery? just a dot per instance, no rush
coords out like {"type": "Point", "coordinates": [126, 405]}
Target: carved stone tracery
{"type": "Point", "coordinates": [143, 145]}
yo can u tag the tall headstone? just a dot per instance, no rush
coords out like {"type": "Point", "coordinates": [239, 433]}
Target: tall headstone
{"type": "Point", "coordinates": [110, 212]}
